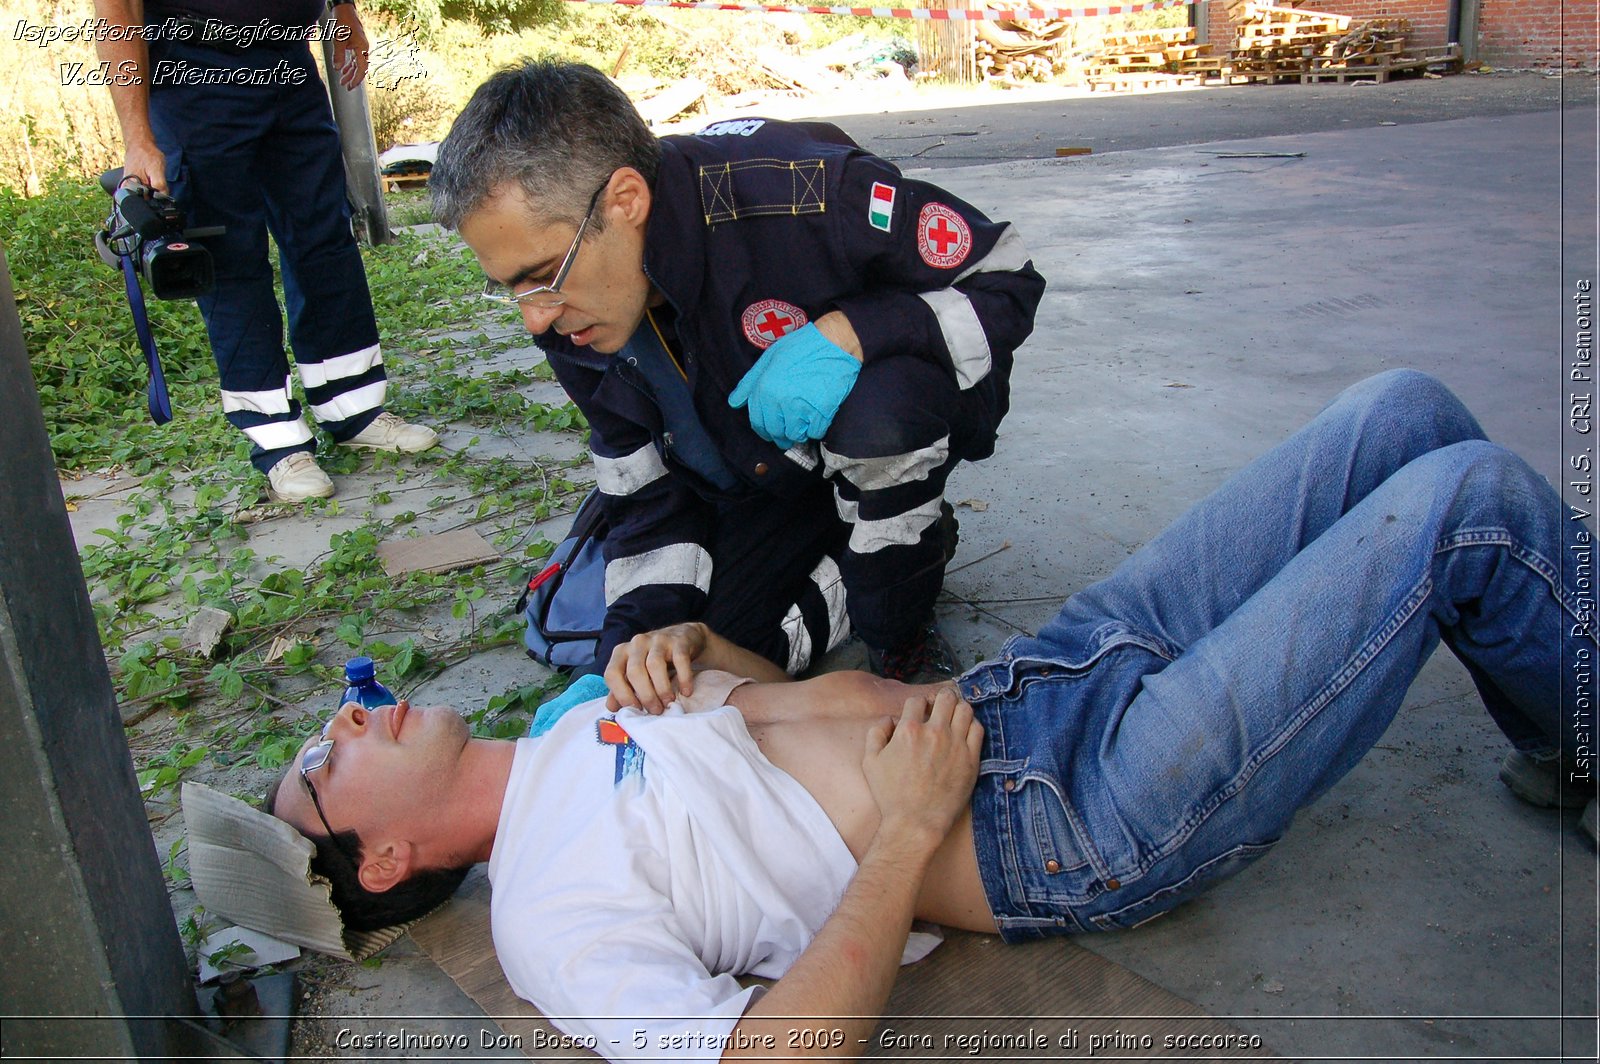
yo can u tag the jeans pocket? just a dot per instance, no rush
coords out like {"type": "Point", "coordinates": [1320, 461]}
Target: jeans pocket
{"type": "Point", "coordinates": [1052, 831]}
{"type": "Point", "coordinates": [1191, 885]}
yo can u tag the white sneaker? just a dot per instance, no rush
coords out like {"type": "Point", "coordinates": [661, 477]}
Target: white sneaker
{"type": "Point", "coordinates": [297, 478]}
{"type": "Point", "coordinates": [389, 433]}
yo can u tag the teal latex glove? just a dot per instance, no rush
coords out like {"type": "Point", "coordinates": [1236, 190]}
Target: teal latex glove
{"type": "Point", "coordinates": [584, 689]}
{"type": "Point", "coordinates": [794, 390]}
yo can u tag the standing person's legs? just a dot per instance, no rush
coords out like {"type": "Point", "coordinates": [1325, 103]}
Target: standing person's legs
{"type": "Point", "coordinates": [208, 134]}
{"type": "Point", "coordinates": [331, 323]}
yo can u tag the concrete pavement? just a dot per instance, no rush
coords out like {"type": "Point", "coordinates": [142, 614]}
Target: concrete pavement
{"type": "Point", "coordinates": [1200, 309]}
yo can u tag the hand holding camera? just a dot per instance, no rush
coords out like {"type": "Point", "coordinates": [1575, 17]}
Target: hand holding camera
{"type": "Point", "coordinates": [147, 226]}
{"type": "Point", "coordinates": [145, 238]}
{"type": "Point", "coordinates": [146, 164]}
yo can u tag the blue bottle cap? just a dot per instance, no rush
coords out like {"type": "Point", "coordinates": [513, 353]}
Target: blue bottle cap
{"type": "Point", "coordinates": [359, 670]}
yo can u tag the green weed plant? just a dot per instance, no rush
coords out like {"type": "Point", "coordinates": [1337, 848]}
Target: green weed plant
{"type": "Point", "coordinates": [180, 539]}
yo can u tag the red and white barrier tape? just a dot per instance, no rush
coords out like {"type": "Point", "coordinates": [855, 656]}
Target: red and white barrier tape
{"type": "Point", "coordinates": [937, 14]}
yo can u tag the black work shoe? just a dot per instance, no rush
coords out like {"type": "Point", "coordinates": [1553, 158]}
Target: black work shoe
{"type": "Point", "coordinates": [925, 658]}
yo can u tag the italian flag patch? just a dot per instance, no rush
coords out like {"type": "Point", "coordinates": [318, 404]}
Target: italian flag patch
{"type": "Point", "coordinates": [880, 210]}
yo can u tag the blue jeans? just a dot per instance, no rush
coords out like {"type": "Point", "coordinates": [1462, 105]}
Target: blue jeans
{"type": "Point", "coordinates": [1161, 732]}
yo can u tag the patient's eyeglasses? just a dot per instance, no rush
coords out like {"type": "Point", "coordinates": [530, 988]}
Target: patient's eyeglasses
{"type": "Point", "coordinates": [548, 295]}
{"type": "Point", "coordinates": [314, 759]}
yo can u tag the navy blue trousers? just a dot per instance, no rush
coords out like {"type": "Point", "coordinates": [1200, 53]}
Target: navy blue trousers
{"type": "Point", "coordinates": [888, 455]}
{"type": "Point", "coordinates": [776, 587]}
{"type": "Point", "coordinates": [261, 155]}
{"type": "Point", "coordinates": [866, 540]}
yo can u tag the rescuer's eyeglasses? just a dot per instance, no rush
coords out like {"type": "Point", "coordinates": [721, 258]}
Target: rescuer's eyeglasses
{"type": "Point", "coordinates": [547, 295]}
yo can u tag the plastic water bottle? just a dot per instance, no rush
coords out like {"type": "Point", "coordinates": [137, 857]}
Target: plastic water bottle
{"type": "Point", "coordinates": [363, 687]}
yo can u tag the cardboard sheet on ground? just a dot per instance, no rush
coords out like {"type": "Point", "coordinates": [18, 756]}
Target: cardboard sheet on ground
{"type": "Point", "coordinates": [438, 553]}
{"type": "Point", "coordinates": [975, 997]}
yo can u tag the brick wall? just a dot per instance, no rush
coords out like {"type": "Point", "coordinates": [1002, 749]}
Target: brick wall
{"type": "Point", "coordinates": [1514, 33]}
{"type": "Point", "coordinates": [1219, 31]}
{"type": "Point", "coordinates": [1521, 33]}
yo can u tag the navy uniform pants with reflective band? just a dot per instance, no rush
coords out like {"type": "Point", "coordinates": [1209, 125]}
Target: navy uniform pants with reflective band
{"type": "Point", "coordinates": [1161, 732]}
{"type": "Point", "coordinates": [888, 454]}
{"type": "Point", "coordinates": [258, 158]}
{"type": "Point", "coordinates": [776, 586]}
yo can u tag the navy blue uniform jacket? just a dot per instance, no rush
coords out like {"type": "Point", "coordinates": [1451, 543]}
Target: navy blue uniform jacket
{"type": "Point", "coordinates": [757, 227]}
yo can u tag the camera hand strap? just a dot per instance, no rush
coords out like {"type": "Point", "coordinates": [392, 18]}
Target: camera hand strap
{"type": "Point", "coordinates": [156, 393]}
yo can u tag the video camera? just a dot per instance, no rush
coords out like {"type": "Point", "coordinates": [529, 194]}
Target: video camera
{"type": "Point", "coordinates": [145, 238]}
{"type": "Point", "coordinates": [147, 226]}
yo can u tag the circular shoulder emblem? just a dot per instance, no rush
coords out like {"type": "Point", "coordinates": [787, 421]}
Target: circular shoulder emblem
{"type": "Point", "coordinates": [766, 321]}
{"type": "Point", "coordinates": [943, 236]}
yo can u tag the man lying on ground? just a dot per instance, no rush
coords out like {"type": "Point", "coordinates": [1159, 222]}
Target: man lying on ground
{"type": "Point", "coordinates": [1158, 734]}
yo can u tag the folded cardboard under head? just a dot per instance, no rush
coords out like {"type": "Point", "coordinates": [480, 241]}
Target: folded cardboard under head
{"type": "Point", "coordinates": [249, 867]}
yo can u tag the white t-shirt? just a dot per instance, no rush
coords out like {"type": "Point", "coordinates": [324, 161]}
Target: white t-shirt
{"type": "Point", "coordinates": [641, 862]}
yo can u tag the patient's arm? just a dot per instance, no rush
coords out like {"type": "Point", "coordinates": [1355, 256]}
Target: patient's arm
{"type": "Point", "coordinates": [921, 769]}
{"type": "Point", "coordinates": [652, 668]}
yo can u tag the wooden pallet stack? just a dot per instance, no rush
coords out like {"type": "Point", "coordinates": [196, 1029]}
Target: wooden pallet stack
{"type": "Point", "coordinates": [1283, 40]}
{"type": "Point", "coordinates": [1203, 65]}
{"type": "Point", "coordinates": [1144, 59]}
{"type": "Point", "coordinates": [1370, 40]}
{"type": "Point", "coordinates": [1374, 49]}
{"type": "Point", "coordinates": [1014, 52]}
{"type": "Point", "coordinates": [1279, 40]}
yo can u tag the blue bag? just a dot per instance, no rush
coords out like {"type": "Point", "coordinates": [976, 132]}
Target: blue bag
{"type": "Point", "coordinates": [565, 601]}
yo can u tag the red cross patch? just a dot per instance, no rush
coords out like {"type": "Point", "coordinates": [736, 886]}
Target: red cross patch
{"type": "Point", "coordinates": [765, 322]}
{"type": "Point", "coordinates": [943, 237]}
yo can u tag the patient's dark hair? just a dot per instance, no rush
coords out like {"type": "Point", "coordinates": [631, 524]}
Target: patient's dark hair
{"type": "Point", "coordinates": [365, 910]}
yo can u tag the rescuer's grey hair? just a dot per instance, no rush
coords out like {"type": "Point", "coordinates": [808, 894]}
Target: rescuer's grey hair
{"type": "Point", "coordinates": [556, 130]}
